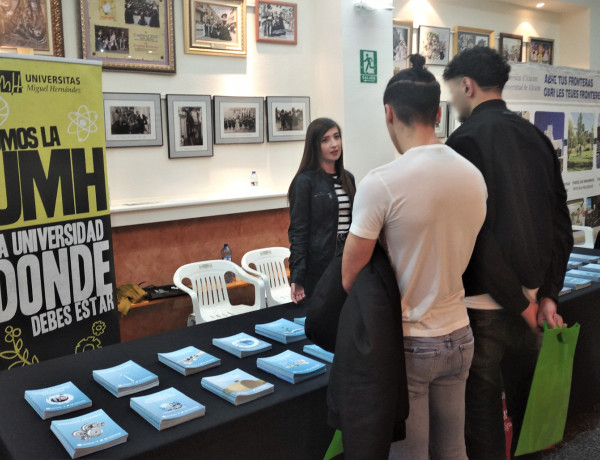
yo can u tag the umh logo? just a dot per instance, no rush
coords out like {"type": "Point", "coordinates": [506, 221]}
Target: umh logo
{"type": "Point", "coordinates": [10, 82]}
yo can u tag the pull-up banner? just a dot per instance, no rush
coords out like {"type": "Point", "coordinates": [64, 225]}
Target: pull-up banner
{"type": "Point", "coordinates": [57, 289]}
{"type": "Point", "coordinates": [564, 103]}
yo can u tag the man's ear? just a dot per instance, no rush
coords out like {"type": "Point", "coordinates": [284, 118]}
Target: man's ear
{"type": "Point", "coordinates": [389, 114]}
{"type": "Point", "coordinates": [438, 117]}
{"type": "Point", "coordinates": [468, 86]}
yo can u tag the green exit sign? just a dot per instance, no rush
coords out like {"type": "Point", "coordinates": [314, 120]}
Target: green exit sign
{"type": "Point", "coordinates": [368, 66]}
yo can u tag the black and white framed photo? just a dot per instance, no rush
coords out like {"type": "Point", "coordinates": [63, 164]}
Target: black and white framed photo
{"type": "Point", "coordinates": [132, 120]}
{"type": "Point", "coordinates": [189, 124]}
{"type": "Point", "coordinates": [276, 22]}
{"type": "Point", "coordinates": [511, 47]}
{"type": "Point", "coordinates": [453, 120]}
{"type": "Point", "coordinates": [441, 127]}
{"type": "Point", "coordinates": [287, 118]}
{"type": "Point", "coordinates": [434, 44]}
{"type": "Point", "coordinates": [541, 50]}
{"type": "Point", "coordinates": [403, 32]}
{"type": "Point", "coordinates": [239, 120]}
{"type": "Point", "coordinates": [468, 37]}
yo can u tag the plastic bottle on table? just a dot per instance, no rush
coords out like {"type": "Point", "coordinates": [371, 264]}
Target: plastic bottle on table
{"type": "Point", "coordinates": [226, 255]}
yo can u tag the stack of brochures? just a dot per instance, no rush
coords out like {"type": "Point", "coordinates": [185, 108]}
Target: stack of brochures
{"type": "Point", "coordinates": [167, 408]}
{"type": "Point", "coordinates": [57, 400]}
{"type": "Point", "coordinates": [576, 283]}
{"type": "Point", "coordinates": [242, 345]}
{"type": "Point", "coordinates": [237, 387]}
{"type": "Point", "coordinates": [574, 264]}
{"type": "Point", "coordinates": [88, 433]}
{"type": "Point", "coordinates": [125, 379]}
{"type": "Point", "coordinates": [585, 258]}
{"type": "Point", "coordinates": [565, 290]}
{"type": "Point", "coordinates": [594, 268]}
{"type": "Point", "coordinates": [189, 360]}
{"type": "Point", "coordinates": [291, 367]}
{"type": "Point", "coordinates": [318, 352]}
{"type": "Point", "coordinates": [300, 321]}
{"type": "Point", "coordinates": [283, 331]}
{"type": "Point", "coordinates": [581, 273]}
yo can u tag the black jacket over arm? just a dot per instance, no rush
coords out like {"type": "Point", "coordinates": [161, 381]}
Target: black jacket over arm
{"type": "Point", "coordinates": [313, 227]}
{"type": "Point", "coordinates": [526, 238]}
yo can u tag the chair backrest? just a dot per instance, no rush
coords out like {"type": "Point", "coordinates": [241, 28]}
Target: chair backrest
{"type": "Point", "coordinates": [269, 262]}
{"type": "Point", "coordinates": [588, 233]}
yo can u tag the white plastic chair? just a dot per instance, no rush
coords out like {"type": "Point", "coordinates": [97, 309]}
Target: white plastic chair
{"type": "Point", "coordinates": [588, 233]}
{"type": "Point", "coordinates": [208, 290]}
{"type": "Point", "coordinates": [270, 267]}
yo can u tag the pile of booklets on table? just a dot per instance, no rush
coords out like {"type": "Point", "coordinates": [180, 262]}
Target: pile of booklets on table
{"type": "Point", "coordinates": [242, 345]}
{"type": "Point", "coordinates": [583, 270]}
{"type": "Point", "coordinates": [125, 379]}
{"type": "Point", "coordinates": [57, 400]}
{"type": "Point", "coordinates": [237, 387]}
{"type": "Point", "coordinates": [318, 352]}
{"type": "Point", "coordinates": [189, 360]}
{"type": "Point", "coordinates": [283, 331]}
{"type": "Point", "coordinates": [167, 408]}
{"type": "Point", "coordinates": [291, 367]}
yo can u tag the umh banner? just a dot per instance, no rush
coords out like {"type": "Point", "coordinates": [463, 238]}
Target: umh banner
{"type": "Point", "coordinates": [57, 284]}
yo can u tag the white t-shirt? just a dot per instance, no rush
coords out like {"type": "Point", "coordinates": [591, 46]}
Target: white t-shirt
{"type": "Point", "coordinates": [430, 204]}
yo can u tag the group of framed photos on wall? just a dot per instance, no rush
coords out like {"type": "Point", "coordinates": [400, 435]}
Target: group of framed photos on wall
{"type": "Point", "coordinates": [439, 44]}
{"type": "Point", "coordinates": [139, 34]}
{"type": "Point", "coordinates": [196, 122]}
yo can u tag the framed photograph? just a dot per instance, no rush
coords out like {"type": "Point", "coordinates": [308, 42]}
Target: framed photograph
{"type": "Point", "coordinates": [287, 118]}
{"type": "Point", "coordinates": [31, 25]}
{"type": "Point", "coordinates": [453, 120]}
{"type": "Point", "coordinates": [541, 50]}
{"type": "Point", "coordinates": [189, 124]}
{"type": "Point", "coordinates": [434, 44]}
{"type": "Point", "coordinates": [511, 47]}
{"type": "Point", "coordinates": [215, 27]}
{"type": "Point", "coordinates": [276, 22]}
{"type": "Point", "coordinates": [403, 32]}
{"type": "Point", "coordinates": [239, 120]}
{"type": "Point", "coordinates": [467, 37]}
{"type": "Point", "coordinates": [132, 120]}
{"type": "Point", "coordinates": [129, 34]}
{"type": "Point", "coordinates": [441, 127]}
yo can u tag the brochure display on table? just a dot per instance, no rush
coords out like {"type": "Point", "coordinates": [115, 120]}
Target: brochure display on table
{"type": "Point", "coordinates": [189, 360]}
{"type": "Point", "coordinates": [57, 400]}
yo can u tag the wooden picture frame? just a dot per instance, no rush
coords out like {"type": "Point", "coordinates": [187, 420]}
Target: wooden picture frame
{"type": "Point", "coordinates": [110, 33]}
{"type": "Point", "coordinates": [402, 43]}
{"type": "Point", "coordinates": [287, 118]}
{"type": "Point", "coordinates": [276, 22]}
{"type": "Point", "coordinates": [511, 47]}
{"type": "Point", "coordinates": [434, 45]}
{"type": "Point", "coordinates": [541, 50]}
{"type": "Point", "coordinates": [215, 27]}
{"type": "Point", "coordinates": [189, 126]}
{"type": "Point", "coordinates": [239, 120]}
{"type": "Point", "coordinates": [48, 41]}
{"type": "Point", "coordinates": [470, 37]}
{"type": "Point", "coordinates": [132, 120]}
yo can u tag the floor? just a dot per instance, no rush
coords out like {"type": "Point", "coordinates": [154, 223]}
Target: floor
{"type": "Point", "coordinates": [582, 438]}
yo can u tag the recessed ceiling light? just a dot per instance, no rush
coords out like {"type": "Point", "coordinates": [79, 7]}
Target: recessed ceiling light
{"type": "Point", "coordinates": [540, 5]}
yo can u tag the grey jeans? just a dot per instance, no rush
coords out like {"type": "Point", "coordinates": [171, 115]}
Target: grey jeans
{"type": "Point", "coordinates": [437, 369]}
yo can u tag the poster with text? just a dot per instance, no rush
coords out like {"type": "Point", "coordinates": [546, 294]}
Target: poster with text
{"type": "Point", "coordinates": [57, 289]}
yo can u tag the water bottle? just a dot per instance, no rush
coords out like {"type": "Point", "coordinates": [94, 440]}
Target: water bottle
{"type": "Point", "coordinates": [226, 255]}
{"type": "Point", "coordinates": [254, 179]}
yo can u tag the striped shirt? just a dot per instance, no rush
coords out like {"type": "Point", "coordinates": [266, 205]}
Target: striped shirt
{"type": "Point", "coordinates": [345, 208]}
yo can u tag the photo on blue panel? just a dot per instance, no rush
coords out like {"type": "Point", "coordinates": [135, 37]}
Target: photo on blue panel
{"type": "Point", "coordinates": [580, 142]}
{"type": "Point", "coordinates": [552, 124]}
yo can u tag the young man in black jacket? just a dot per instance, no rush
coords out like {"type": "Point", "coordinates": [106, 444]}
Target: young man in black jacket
{"type": "Point", "coordinates": [520, 258]}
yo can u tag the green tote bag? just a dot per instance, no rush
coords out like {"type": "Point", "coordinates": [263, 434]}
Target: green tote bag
{"type": "Point", "coordinates": [546, 412]}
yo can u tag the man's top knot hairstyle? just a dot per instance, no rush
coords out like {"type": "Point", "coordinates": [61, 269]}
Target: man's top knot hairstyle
{"type": "Point", "coordinates": [484, 65]}
{"type": "Point", "coordinates": [414, 93]}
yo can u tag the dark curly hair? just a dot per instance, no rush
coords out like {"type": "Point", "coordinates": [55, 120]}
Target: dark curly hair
{"type": "Point", "coordinates": [414, 94]}
{"type": "Point", "coordinates": [484, 65]}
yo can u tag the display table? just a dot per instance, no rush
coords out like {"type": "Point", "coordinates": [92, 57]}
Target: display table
{"type": "Point", "coordinates": [290, 423]}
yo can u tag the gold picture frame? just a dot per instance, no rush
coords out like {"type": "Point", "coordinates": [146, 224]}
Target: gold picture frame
{"type": "Point", "coordinates": [31, 39]}
{"type": "Point", "coordinates": [215, 27]}
{"type": "Point", "coordinates": [131, 36]}
{"type": "Point", "coordinates": [469, 37]}
{"type": "Point", "coordinates": [402, 44]}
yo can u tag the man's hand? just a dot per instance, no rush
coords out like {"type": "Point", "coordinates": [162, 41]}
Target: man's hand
{"type": "Point", "coordinates": [547, 312]}
{"type": "Point", "coordinates": [530, 315]}
{"type": "Point", "coordinates": [297, 293]}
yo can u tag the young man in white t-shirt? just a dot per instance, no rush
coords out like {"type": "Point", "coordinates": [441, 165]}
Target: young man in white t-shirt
{"type": "Point", "coordinates": [428, 207]}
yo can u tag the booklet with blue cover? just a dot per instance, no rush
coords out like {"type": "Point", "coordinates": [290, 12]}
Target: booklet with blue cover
{"type": "Point", "coordinates": [300, 321]}
{"type": "Point", "coordinates": [282, 330]}
{"type": "Point", "coordinates": [57, 400]}
{"type": "Point", "coordinates": [565, 290]}
{"type": "Point", "coordinates": [189, 360]}
{"type": "Point", "coordinates": [595, 268]}
{"type": "Point", "coordinates": [88, 433]}
{"type": "Point", "coordinates": [167, 408]}
{"type": "Point", "coordinates": [576, 283]}
{"type": "Point", "coordinates": [125, 379]}
{"type": "Point", "coordinates": [584, 258]}
{"type": "Point", "coordinates": [580, 273]}
{"type": "Point", "coordinates": [574, 264]}
{"type": "Point", "coordinates": [318, 352]}
{"type": "Point", "coordinates": [291, 366]}
{"type": "Point", "coordinates": [237, 387]}
{"type": "Point", "coordinates": [242, 345]}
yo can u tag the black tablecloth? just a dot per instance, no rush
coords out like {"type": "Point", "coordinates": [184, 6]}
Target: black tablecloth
{"type": "Point", "coordinates": [290, 423]}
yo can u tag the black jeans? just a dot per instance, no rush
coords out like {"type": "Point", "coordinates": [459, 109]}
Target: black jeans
{"type": "Point", "coordinates": [505, 356]}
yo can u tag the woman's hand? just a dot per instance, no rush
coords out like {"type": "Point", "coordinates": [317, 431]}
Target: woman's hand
{"type": "Point", "coordinates": [297, 293]}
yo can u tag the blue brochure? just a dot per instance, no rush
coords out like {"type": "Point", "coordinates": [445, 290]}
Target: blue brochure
{"type": "Point", "coordinates": [318, 352]}
{"type": "Point", "coordinates": [242, 345]}
{"type": "Point", "coordinates": [88, 433]}
{"type": "Point", "coordinates": [237, 387]}
{"type": "Point", "coordinates": [300, 321]}
{"type": "Point", "coordinates": [167, 408]}
{"type": "Point", "coordinates": [57, 400]}
{"type": "Point", "coordinates": [291, 367]}
{"type": "Point", "coordinates": [576, 283]}
{"type": "Point", "coordinates": [580, 273]}
{"type": "Point", "coordinates": [125, 379]}
{"type": "Point", "coordinates": [283, 331]}
{"type": "Point", "coordinates": [189, 360]}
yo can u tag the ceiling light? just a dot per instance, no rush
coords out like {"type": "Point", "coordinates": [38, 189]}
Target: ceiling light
{"type": "Point", "coordinates": [540, 5]}
{"type": "Point", "coordinates": [374, 4]}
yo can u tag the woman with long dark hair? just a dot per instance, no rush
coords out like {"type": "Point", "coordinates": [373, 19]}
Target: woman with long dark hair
{"type": "Point", "coordinates": [321, 196]}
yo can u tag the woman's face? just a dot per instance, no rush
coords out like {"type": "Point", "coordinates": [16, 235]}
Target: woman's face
{"type": "Point", "coordinates": [331, 145]}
